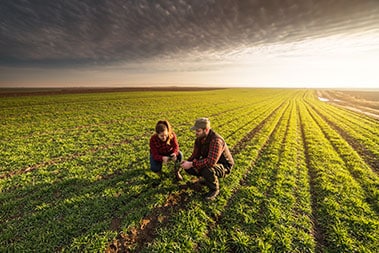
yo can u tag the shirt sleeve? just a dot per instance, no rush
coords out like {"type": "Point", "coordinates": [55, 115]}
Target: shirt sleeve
{"type": "Point", "coordinates": [215, 151]}
{"type": "Point", "coordinates": [154, 149]}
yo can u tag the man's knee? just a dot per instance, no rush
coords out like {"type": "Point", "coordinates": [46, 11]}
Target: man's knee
{"type": "Point", "coordinates": [219, 170]}
{"type": "Point", "coordinates": [208, 173]}
{"type": "Point", "coordinates": [211, 179]}
{"type": "Point", "coordinates": [192, 172]}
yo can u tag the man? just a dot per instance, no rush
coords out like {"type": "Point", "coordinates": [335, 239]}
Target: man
{"type": "Point", "coordinates": [210, 158]}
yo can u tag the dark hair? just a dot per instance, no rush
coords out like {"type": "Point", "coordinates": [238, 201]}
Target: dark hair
{"type": "Point", "coordinates": [163, 125]}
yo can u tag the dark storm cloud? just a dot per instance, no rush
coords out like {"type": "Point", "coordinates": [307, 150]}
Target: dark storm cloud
{"type": "Point", "coordinates": [72, 33]}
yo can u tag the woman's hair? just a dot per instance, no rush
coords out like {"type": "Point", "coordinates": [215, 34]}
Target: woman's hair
{"type": "Point", "coordinates": [164, 125]}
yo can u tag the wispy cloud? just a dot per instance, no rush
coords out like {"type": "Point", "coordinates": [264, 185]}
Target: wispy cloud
{"type": "Point", "coordinates": [75, 33]}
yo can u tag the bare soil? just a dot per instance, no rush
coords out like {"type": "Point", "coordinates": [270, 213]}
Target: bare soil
{"type": "Point", "coordinates": [365, 102]}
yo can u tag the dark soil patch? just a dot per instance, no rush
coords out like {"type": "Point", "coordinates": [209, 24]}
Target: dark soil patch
{"type": "Point", "coordinates": [138, 237]}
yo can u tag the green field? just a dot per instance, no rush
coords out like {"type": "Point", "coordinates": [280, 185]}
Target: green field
{"type": "Point", "coordinates": [74, 174]}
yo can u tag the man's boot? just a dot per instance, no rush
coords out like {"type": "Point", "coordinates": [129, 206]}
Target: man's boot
{"type": "Point", "coordinates": [214, 190]}
{"type": "Point", "coordinates": [212, 194]}
{"type": "Point", "coordinates": [177, 169]}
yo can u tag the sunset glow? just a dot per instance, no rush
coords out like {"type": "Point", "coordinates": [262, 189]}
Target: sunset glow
{"type": "Point", "coordinates": [331, 49]}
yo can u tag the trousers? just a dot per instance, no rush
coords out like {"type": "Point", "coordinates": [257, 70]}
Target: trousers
{"type": "Point", "coordinates": [210, 174]}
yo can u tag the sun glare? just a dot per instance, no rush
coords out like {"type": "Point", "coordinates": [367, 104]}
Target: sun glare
{"type": "Point", "coordinates": [335, 61]}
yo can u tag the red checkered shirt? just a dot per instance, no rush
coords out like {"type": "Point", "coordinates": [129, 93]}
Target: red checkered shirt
{"type": "Point", "coordinates": [216, 147]}
{"type": "Point", "coordinates": [160, 148]}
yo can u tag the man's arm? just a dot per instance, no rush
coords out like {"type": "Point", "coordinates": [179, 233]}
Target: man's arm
{"type": "Point", "coordinates": [188, 163]}
{"type": "Point", "coordinates": [215, 150]}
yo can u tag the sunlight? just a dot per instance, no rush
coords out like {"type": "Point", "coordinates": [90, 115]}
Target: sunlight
{"type": "Point", "coordinates": [337, 61]}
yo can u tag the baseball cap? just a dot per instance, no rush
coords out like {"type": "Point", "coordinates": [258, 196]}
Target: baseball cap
{"type": "Point", "coordinates": [201, 123]}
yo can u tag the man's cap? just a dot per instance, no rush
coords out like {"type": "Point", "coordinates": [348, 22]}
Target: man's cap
{"type": "Point", "coordinates": [201, 123]}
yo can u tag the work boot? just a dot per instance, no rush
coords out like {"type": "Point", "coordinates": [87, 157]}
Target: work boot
{"type": "Point", "coordinates": [202, 181]}
{"type": "Point", "coordinates": [212, 194]}
{"type": "Point", "coordinates": [177, 173]}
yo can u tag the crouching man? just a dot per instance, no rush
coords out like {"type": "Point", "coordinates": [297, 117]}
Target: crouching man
{"type": "Point", "coordinates": [210, 159]}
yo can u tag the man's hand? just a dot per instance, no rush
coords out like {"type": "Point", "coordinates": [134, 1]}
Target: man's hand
{"type": "Point", "coordinates": [186, 165]}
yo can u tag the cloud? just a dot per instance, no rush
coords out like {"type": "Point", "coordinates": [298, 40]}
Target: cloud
{"type": "Point", "coordinates": [96, 33]}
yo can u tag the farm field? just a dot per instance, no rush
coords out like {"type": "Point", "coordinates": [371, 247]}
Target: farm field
{"type": "Point", "coordinates": [74, 174]}
{"type": "Point", "coordinates": [362, 101]}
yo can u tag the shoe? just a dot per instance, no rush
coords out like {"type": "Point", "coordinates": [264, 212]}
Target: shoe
{"type": "Point", "coordinates": [212, 194]}
{"type": "Point", "coordinates": [177, 174]}
{"type": "Point", "coordinates": [160, 174]}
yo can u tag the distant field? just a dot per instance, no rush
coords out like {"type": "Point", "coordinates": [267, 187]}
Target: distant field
{"type": "Point", "coordinates": [74, 173]}
{"type": "Point", "coordinates": [363, 101]}
{"type": "Point", "coordinates": [15, 92]}
{"type": "Point", "coordinates": [364, 95]}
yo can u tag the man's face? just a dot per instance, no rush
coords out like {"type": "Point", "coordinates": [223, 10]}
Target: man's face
{"type": "Point", "coordinates": [163, 135]}
{"type": "Point", "coordinates": [200, 133]}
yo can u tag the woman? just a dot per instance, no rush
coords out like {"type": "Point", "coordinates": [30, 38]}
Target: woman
{"type": "Point", "coordinates": [164, 147]}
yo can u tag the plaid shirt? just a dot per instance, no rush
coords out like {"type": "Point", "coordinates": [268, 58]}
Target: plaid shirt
{"type": "Point", "coordinates": [160, 148]}
{"type": "Point", "coordinates": [216, 147]}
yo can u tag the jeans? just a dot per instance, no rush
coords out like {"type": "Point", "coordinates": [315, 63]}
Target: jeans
{"type": "Point", "coordinates": [156, 166]}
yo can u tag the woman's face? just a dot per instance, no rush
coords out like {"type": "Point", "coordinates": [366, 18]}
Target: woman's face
{"type": "Point", "coordinates": [163, 135]}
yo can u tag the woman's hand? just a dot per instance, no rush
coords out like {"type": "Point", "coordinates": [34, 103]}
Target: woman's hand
{"type": "Point", "coordinates": [173, 157]}
{"type": "Point", "coordinates": [165, 159]}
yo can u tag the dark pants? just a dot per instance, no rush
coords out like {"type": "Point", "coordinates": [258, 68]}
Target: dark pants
{"type": "Point", "coordinates": [156, 166]}
{"type": "Point", "coordinates": [210, 175]}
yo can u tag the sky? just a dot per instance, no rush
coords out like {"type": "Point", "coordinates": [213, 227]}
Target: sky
{"type": "Point", "coordinates": [255, 43]}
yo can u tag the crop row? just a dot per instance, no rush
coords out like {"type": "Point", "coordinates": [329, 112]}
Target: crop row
{"type": "Point", "coordinates": [354, 163]}
{"type": "Point", "coordinates": [25, 152]}
{"type": "Point", "coordinates": [344, 219]}
{"type": "Point", "coordinates": [204, 216]}
{"type": "Point", "coordinates": [270, 212]}
{"type": "Point", "coordinates": [297, 185]}
{"type": "Point", "coordinates": [52, 197]}
{"type": "Point", "coordinates": [358, 126]}
{"type": "Point", "coordinates": [177, 233]}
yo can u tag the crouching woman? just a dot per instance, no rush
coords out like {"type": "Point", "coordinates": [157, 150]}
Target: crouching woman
{"type": "Point", "coordinates": [164, 147]}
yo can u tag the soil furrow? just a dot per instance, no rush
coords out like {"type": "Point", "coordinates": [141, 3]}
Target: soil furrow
{"type": "Point", "coordinates": [240, 145]}
{"type": "Point", "coordinates": [369, 196]}
{"type": "Point", "coordinates": [371, 159]}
